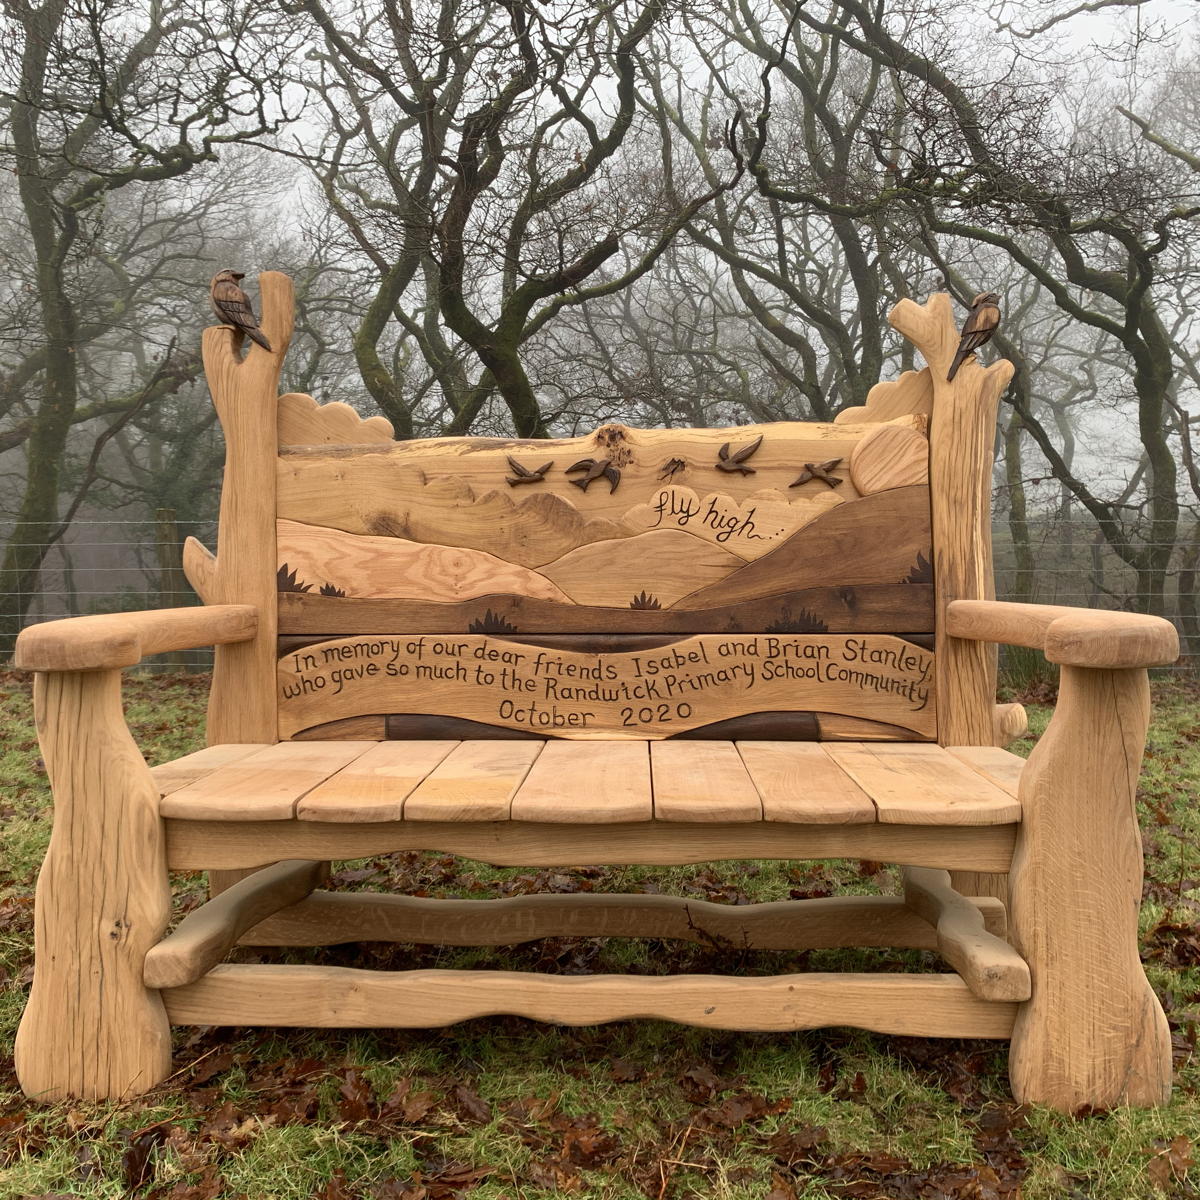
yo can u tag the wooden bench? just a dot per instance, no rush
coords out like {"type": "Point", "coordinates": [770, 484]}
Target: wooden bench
{"type": "Point", "coordinates": [635, 646]}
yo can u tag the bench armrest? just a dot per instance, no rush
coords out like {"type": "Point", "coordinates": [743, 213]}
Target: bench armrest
{"type": "Point", "coordinates": [1076, 637]}
{"type": "Point", "coordinates": [114, 640]}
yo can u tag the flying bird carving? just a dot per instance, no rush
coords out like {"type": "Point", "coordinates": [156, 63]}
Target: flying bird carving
{"type": "Point", "coordinates": [819, 471]}
{"type": "Point", "coordinates": [982, 321]}
{"type": "Point", "coordinates": [595, 467]}
{"type": "Point", "coordinates": [671, 468]}
{"type": "Point", "coordinates": [737, 460]}
{"type": "Point", "coordinates": [232, 306]}
{"type": "Point", "coordinates": [522, 474]}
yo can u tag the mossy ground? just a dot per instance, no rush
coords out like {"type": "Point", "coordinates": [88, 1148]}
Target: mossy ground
{"type": "Point", "coordinates": [507, 1108]}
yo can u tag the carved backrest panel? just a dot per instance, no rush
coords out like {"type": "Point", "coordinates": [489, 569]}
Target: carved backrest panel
{"type": "Point", "coordinates": [760, 581]}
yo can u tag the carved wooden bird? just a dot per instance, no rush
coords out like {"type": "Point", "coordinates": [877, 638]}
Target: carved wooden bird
{"type": "Point", "coordinates": [232, 306]}
{"type": "Point", "coordinates": [978, 328]}
{"type": "Point", "coordinates": [819, 471]}
{"type": "Point", "coordinates": [595, 467]}
{"type": "Point", "coordinates": [737, 460]}
{"type": "Point", "coordinates": [522, 474]}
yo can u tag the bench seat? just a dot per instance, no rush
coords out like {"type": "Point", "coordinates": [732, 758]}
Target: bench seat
{"type": "Point", "coordinates": [595, 782]}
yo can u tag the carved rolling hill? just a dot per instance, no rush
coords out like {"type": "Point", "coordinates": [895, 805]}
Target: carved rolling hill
{"type": "Point", "coordinates": [873, 540]}
{"type": "Point", "coordinates": [661, 566]}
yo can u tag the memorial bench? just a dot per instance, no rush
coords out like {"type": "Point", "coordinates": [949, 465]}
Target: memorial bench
{"type": "Point", "coordinates": [635, 646]}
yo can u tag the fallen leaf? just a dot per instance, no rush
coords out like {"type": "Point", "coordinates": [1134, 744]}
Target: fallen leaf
{"type": "Point", "coordinates": [471, 1104]}
{"type": "Point", "coordinates": [357, 1099]}
{"type": "Point", "coordinates": [138, 1158]}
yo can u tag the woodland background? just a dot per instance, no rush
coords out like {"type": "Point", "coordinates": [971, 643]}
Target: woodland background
{"type": "Point", "coordinates": [514, 216]}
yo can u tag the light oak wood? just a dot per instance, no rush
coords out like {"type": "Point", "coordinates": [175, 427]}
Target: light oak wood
{"type": "Point", "coordinates": [200, 569]}
{"type": "Point", "coordinates": [264, 786]}
{"type": "Point", "coordinates": [665, 564]}
{"type": "Point", "coordinates": [911, 393]}
{"type": "Point", "coordinates": [1077, 637]}
{"type": "Point", "coordinates": [748, 528]}
{"type": "Point", "coordinates": [241, 705]}
{"type": "Point", "coordinates": [589, 782]}
{"type": "Point", "coordinates": [374, 786]}
{"type": "Point", "coordinates": [202, 845]}
{"type": "Point", "coordinates": [890, 457]}
{"type": "Point", "coordinates": [962, 436]}
{"type": "Point", "coordinates": [989, 966]}
{"type": "Point", "coordinates": [171, 776]}
{"type": "Point", "coordinates": [208, 933]}
{"type": "Point", "coordinates": [476, 781]}
{"type": "Point", "coordinates": [1093, 1032]}
{"type": "Point", "coordinates": [994, 764]}
{"type": "Point", "coordinates": [331, 918]}
{"type": "Point", "coordinates": [304, 422]}
{"type": "Point", "coordinates": [91, 1027]}
{"type": "Point", "coordinates": [1009, 722]}
{"type": "Point", "coordinates": [393, 568]}
{"type": "Point", "coordinates": [346, 998]}
{"type": "Point", "coordinates": [915, 784]}
{"type": "Point", "coordinates": [798, 781]}
{"type": "Point", "coordinates": [693, 682]}
{"type": "Point", "coordinates": [702, 782]}
{"type": "Point", "coordinates": [409, 488]}
{"type": "Point", "coordinates": [124, 639]}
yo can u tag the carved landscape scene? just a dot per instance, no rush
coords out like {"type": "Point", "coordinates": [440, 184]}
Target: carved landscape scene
{"type": "Point", "coordinates": [788, 529]}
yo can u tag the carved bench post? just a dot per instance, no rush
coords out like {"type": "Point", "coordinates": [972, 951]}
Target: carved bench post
{"type": "Point", "coordinates": [91, 1028]}
{"type": "Point", "coordinates": [1093, 1032]}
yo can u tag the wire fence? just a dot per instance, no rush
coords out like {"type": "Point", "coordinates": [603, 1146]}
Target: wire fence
{"type": "Point", "coordinates": [104, 565]}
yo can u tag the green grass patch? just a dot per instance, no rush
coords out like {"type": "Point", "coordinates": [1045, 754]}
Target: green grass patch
{"type": "Point", "coordinates": [502, 1109]}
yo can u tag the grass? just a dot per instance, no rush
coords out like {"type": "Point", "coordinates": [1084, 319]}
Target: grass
{"type": "Point", "coordinates": [505, 1108]}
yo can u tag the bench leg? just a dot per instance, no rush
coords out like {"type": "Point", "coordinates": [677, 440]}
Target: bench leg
{"type": "Point", "coordinates": [1093, 1032]}
{"type": "Point", "coordinates": [91, 1028]}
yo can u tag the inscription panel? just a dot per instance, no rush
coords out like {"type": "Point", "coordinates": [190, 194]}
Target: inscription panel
{"type": "Point", "coordinates": [661, 692]}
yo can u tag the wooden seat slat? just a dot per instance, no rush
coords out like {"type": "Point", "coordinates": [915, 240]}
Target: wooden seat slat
{"type": "Point", "coordinates": [375, 785]}
{"type": "Point", "coordinates": [1002, 767]}
{"type": "Point", "coordinates": [702, 781]}
{"type": "Point", "coordinates": [800, 783]}
{"type": "Point", "coordinates": [588, 782]}
{"type": "Point", "coordinates": [917, 784]}
{"type": "Point", "coordinates": [476, 781]}
{"type": "Point", "coordinates": [263, 786]}
{"type": "Point", "coordinates": [179, 772]}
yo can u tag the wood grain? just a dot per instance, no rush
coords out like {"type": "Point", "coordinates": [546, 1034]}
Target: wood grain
{"type": "Point", "coordinates": [124, 639]}
{"type": "Point", "coordinates": [702, 782]}
{"type": "Point", "coordinates": [264, 786]}
{"type": "Point", "coordinates": [343, 997]}
{"type": "Point", "coordinates": [202, 845]}
{"type": "Point", "coordinates": [171, 776]}
{"type": "Point", "coordinates": [559, 693]}
{"type": "Point", "coordinates": [989, 966]}
{"type": "Point", "coordinates": [916, 784]}
{"type": "Point", "coordinates": [800, 782]}
{"type": "Point", "coordinates": [865, 608]}
{"type": "Point", "coordinates": [476, 781]}
{"type": "Point", "coordinates": [374, 786]}
{"type": "Point", "coordinates": [887, 532]}
{"type": "Point", "coordinates": [911, 393]}
{"type": "Point", "coordinates": [91, 1028]}
{"type": "Point", "coordinates": [304, 422]}
{"type": "Point", "coordinates": [589, 782]}
{"type": "Point", "coordinates": [661, 566]}
{"type": "Point", "coordinates": [331, 918]}
{"type": "Point", "coordinates": [241, 704]}
{"type": "Point", "coordinates": [393, 568]}
{"type": "Point", "coordinates": [208, 933]}
{"type": "Point", "coordinates": [1093, 1032]}
{"type": "Point", "coordinates": [748, 528]}
{"type": "Point", "coordinates": [891, 457]}
{"type": "Point", "coordinates": [994, 764]}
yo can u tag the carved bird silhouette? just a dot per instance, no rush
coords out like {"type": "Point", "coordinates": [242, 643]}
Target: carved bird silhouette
{"type": "Point", "coordinates": [978, 328]}
{"type": "Point", "coordinates": [737, 460]}
{"type": "Point", "coordinates": [522, 474]}
{"type": "Point", "coordinates": [819, 471]}
{"type": "Point", "coordinates": [595, 467]}
{"type": "Point", "coordinates": [232, 306]}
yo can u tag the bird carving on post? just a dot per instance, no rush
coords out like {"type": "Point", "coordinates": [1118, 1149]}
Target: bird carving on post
{"type": "Point", "coordinates": [232, 306]}
{"type": "Point", "coordinates": [982, 321]}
